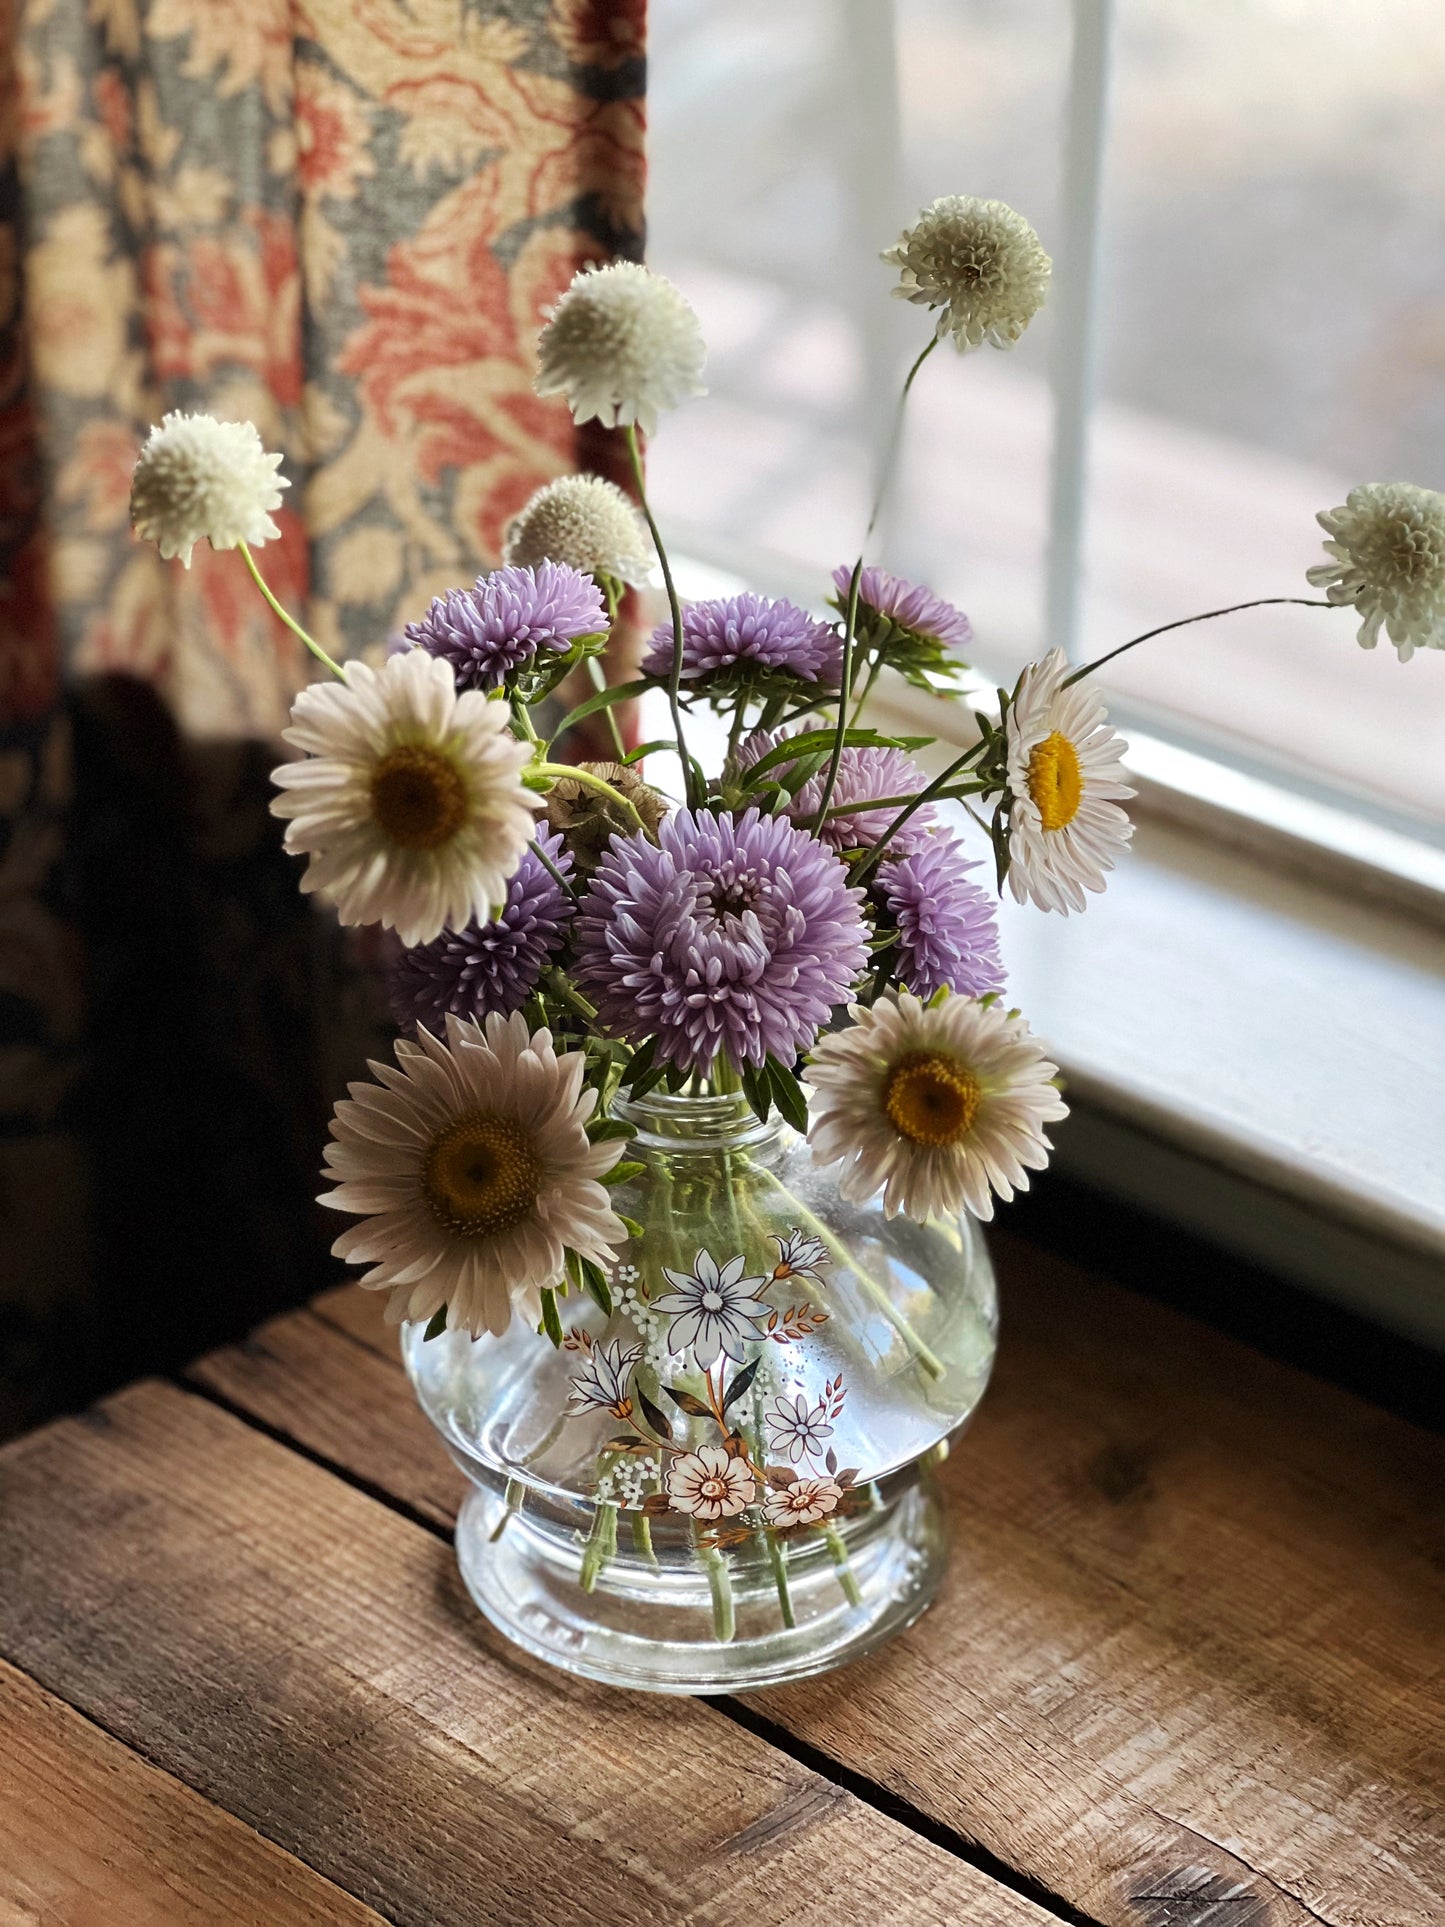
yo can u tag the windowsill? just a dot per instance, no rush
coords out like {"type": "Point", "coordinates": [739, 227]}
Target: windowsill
{"type": "Point", "coordinates": [1254, 1054]}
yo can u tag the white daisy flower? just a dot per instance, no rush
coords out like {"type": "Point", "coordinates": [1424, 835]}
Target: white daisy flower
{"type": "Point", "coordinates": [409, 801]}
{"type": "Point", "coordinates": [586, 523]}
{"type": "Point", "coordinates": [712, 1310]}
{"type": "Point", "coordinates": [938, 1106]}
{"type": "Point", "coordinates": [605, 1380]}
{"type": "Point", "coordinates": [709, 1484]}
{"type": "Point", "coordinates": [800, 1256]}
{"type": "Point", "coordinates": [795, 1429]}
{"type": "Point", "coordinates": [621, 344]}
{"type": "Point", "coordinates": [1066, 781]}
{"type": "Point", "coordinates": [199, 479]}
{"type": "Point", "coordinates": [470, 1167]}
{"type": "Point", "coordinates": [803, 1503]}
{"type": "Point", "coordinates": [1388, 542]}
{"type": "Point", "coordinates": [980, 262]}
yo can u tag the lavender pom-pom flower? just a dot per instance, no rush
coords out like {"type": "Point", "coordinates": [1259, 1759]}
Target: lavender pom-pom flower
{"type": "Point", "coordinates": [866, 779]}
{"type": "Point", "coordinates": [492, 966]}
{"type": "Point", "coordinates": [947, 933]}
{"type": "Point", "coordinates": [742, 639]}
{"type": "Point", "coordinates": [731, 935]}
{"type": "Point", "coordinates": [498, 626]}
{"type": "Point", "coordinates": [906, 626]}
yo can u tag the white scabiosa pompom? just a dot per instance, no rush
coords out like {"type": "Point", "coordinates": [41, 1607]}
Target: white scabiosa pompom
{"type": "Point", "coordinates": [197, 478]}
{"type": "Point", "coordinates": [1388, 544]}
{"type": "Point", "coordinates": [622, 344]}
{"type": "Point", "coordinates": [585, 522]}
{"type": "Point", "coordinates": [978, 261]}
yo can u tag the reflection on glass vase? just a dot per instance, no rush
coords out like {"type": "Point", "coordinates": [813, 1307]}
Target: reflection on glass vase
{"type": "Point", "coordinates": [728, 1480]}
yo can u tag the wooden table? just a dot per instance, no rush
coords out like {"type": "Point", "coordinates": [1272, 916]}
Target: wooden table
{"type": "Point", "coordinates": [1185, 1671]}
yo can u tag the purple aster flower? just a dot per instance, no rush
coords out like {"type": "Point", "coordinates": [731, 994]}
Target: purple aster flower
{"type": "Point", "coordinates": [887, 601]}
{"type": "Point", "coordinates": [488, 966]}
{"type": "Point", "coordinates": [499, 625]}
{"type": "Point", "coordinates": [733, 934]}
{"type": "Point", "coordinates": [946, 928]}
{"type": "Point", "coordinates": [864, 777]}
{"type": "Point", "coordinates": [738, 637]}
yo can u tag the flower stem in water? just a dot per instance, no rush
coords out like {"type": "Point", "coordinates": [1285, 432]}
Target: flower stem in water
{"type": "Point", "coordinates": [601, 1544]}
{"type": "Point", "coordinates": [845, 1571]}
{"type": "Point", "coordinates": [778, 1560]}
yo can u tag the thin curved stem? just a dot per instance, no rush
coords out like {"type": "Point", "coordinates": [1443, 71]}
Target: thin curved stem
{"type": "Point", "coordinates": [890, 454]}
{"type": "Point", "coordinates": [290, 621]}
{"type": "Point", "coordinates": [590, 781]}
{"type": "Point", "coordinates": [1260, 602]}
{"type": "Point", "coordinates": [599, 682]}
{"type": "Point", "coordinates": [845, 690]}
{"type": "Point", "coordinates": [939, 784]}
{"type": "Point", "coordinates": [674, 679]}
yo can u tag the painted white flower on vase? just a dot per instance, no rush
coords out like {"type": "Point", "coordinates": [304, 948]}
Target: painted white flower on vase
{"type": "Point", "coordinates": [713, 1309]}
{"type": "Point", "coordinates": [795, 1429]}
{"type": "Point", "coordinates": [710, 1484]}
{"type": "Point", "coordinates": [604, 1383]}
{"type": "Point", "coordinates": [802, 1503]}
{"type": "Point", "coordinates": [799, 1256]}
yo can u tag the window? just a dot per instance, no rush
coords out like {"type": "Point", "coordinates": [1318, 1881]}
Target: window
{"type": "Point", "coordinates": [1268, 322]}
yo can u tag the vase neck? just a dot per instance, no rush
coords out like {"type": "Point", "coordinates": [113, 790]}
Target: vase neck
{"type": "Point", "coordinates": [716, 1122]}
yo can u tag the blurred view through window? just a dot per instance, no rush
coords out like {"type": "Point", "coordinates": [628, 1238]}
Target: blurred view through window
{"type": "Point", "coordinates": [1272, 329]}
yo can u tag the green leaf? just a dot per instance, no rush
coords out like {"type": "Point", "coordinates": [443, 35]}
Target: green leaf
{"type": "Point", "coordinates": [594, 1283]}
{"type": "Point", "coordinates": [624, 1172]}
{"type": "Point", "coordinates": [758, 1090]}
{"type": "Point", "coordinates": [741, 1383]}
{"type": "Point", "coordinates": [435, 1325]}
{"type": "Point", "coordinates": [594, 705]}
{"type": "Point", "coordinates": [602, 1130]}
{"type": "Point", "coordinates": [551, 1319]}
{"type": "Point", "coordinates": [819, 742]}
{"type": "Point", "coordinates": [654, 748]}
{"type": "Point", "coordinates": [788, 1095]}
{"type": "Point", "coordinates": [630, 1225]}
{"type": "Point", "coordinates": [640, 1061]}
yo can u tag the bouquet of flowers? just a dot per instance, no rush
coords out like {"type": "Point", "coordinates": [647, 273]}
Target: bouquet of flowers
{"type": "Point", "coordinates": [803, 926]}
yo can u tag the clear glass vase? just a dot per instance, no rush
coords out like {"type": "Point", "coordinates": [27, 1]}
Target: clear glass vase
{"type": "Point", "coordinates": [726, 1482]}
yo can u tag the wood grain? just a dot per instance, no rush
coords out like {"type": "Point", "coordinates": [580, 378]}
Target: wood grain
{"type": "Point", "coordinates": [91, 1835]}
{"type": "Point", "coordinates": [302, 1656]}
{"type": "Point", "coordinates": [1186, 1667]}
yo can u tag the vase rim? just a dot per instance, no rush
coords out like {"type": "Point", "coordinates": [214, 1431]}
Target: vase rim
{"type": "Point", "coordinates": [709, 1120]}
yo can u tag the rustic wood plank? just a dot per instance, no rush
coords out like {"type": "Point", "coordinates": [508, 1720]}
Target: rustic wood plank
{"type": "Point", "coordinates": [302, 1655]}
{"type": "Point", "coordinates": [1190, 1642]}
{"type": "Point", "coordinates": [92, 1835]}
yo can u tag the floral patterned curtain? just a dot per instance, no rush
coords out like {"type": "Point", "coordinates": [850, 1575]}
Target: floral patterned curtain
{"type": "Point", "coordinates": [340, 219]}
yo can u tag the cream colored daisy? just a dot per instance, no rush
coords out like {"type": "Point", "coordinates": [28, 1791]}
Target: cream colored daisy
{"type": "Point", "coordinates": [1066, 782]}
{"type": "Point", "coordinates": [622, 344]}
{"type": "Point", "coordinates": [470, 1167]}
{"type": "Point", "coordinates": [1388, 544]}
{"type": "Point", "coordinates": [198, 479]}
{"type": "Point", "coordinates": [409, 800]}
{"type": "Point", "coordinates": [586, 522]}
{"type": "Point", "coordinates": [710, 1484]}
{"type": "Point", "coordinates": [937, 1105]}
{"type": "Point", "coordinates": [979, 262]}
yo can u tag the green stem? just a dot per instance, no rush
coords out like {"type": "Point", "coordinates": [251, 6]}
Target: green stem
{"type": "Point", "coordinates": [512, 1498]}
{"type": "Point", "coordinates": [720, 1585]}
{"type": "Point", "coordinates": [939, 784]}
{"type": "Point", "coordinates": [1261, 602]}
{"type": "Point", "coordinates": [601, 1545]}
{"type": "Point", "coordinates": [778, 1560]}
{"type": "Point", "coordinates": [642, 1539]}
{"type": "Point", "coordinates": [550, 867]}
{"type": "Point", "coordinates": [890, 454]}
{"type": "Point", "coordinates": [893, 802]}
{"type": "Point", "coordinates": [589, 780]}
{"type": "Point", "coordinates": [845, 1571]}
{"type": "Point", "coordinates": [674, 680]}
{"type": "Point", "coordinates": [290, 621]}
{"type": "Point", "coordinates": [850, 626]}
{"type": "Point", "coordinates": [927, 1358]}
{"type": "Point", "coordinates": [599, 683]}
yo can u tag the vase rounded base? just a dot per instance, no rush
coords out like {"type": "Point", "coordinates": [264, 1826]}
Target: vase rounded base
{"type": "Point", "coordinates": [714, 1622]}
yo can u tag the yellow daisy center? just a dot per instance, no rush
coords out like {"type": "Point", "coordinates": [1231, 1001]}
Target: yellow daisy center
{"type": "Point", "coordinates": [932, 1099]}
{"type": "Point", "coordinates": [481, 1175]}
{"type": "Point", "coordinates": [1056, 783]}
{"type": "Point", "coordinates": [418, 797]}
